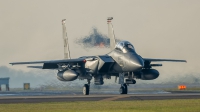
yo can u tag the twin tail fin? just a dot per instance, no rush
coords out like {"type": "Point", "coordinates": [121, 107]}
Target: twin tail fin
{"type": "Point", "coordinates": [65, 39]}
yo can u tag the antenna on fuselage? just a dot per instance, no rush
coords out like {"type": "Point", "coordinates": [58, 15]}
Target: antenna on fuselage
{"type": "Point", "coordinates": [65, 40]}
{"type": "Point", "coordinates": [111, 34]}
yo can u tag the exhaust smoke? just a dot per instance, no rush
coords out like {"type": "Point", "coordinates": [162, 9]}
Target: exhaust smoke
{"type": "Point", "coordinates": [94, 39]}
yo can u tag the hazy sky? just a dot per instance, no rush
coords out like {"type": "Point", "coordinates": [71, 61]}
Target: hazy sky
{"type": "Point", "coordinates": [31, 29]}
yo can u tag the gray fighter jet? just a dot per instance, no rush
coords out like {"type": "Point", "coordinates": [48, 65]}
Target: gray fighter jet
{"type": "Point", "coordinates": [122, 62]}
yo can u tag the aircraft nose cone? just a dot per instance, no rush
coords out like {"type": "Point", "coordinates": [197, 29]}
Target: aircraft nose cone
{"type": "Point", "coordinates": [137, 62]}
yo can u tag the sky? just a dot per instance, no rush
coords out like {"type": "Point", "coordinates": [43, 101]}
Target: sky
{"type": "Point", "coordinates": [31, 30]}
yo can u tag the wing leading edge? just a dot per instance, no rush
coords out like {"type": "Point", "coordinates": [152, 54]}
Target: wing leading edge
{"type": "Point", "coordinates": [52, 64]}
{"type": "Point", "coordinates": [50, 61]}
{"type": "Point", "coordinates": [156, 60]}
{"type": "Point", "coordinates": [147, 62]}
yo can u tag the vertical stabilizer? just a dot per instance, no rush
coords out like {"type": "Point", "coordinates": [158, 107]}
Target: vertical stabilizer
{"type": "Point", "coordinates": [65, 39]}
{"type": "Point", "coordinates": [111, 34]}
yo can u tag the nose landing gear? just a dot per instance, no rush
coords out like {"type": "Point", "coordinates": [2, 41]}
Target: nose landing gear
{"type": "Point", "coordinates": [123, 89]}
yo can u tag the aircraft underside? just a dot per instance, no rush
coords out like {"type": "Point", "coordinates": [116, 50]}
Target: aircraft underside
{"type": "Point", "coordinates": [103, 67]}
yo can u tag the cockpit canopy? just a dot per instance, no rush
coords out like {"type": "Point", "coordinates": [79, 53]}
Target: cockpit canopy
{"type": "Point", "coordinates": [125, 46]}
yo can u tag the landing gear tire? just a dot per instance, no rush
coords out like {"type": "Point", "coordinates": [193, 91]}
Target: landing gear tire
{"type": "Point", "coordinates": [86, 89]}
{"type": "Point", "coordinates": [123, 89]}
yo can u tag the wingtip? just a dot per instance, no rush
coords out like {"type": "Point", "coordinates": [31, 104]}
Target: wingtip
{"type": "Point", "coordinates": [184, 61]}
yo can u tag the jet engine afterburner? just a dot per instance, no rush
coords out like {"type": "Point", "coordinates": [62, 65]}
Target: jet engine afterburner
{"type": "Point", "coordinates": [149, 74]}
{"type": "Point", "coordinates": [68, 75]}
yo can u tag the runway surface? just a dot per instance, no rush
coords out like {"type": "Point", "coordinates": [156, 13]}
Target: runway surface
{"type": "Point", "coordinates": [56, 96]}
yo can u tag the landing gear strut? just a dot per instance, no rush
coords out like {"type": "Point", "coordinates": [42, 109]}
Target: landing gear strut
{"type": "Point", "coordinates": [123, 89]}
{"type": "Point", "coordinates": [86, 88]}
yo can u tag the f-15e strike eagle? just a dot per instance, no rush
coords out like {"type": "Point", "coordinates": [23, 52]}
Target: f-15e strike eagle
{"type": "Point", "coordinates": [122, 62]}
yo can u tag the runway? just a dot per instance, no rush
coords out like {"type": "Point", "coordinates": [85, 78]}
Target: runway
{"type": "Point", "coordinates": [39, 97]}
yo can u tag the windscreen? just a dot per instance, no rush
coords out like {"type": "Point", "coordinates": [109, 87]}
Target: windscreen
{"type": "Point", "coordinates": [125, 45]}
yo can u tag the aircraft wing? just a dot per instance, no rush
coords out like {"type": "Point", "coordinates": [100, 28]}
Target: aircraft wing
{"type": "Point", "coordinates": [156, 60]}
{"type": "Point", "coordinates": [147, 62]}
{"type": "Point", "coordinates": [53, 64]}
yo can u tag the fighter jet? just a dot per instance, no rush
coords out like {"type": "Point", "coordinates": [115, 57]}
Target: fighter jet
{"type": "Point", "coordinates": [122, 62]}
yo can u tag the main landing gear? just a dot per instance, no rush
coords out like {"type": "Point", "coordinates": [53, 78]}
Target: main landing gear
{"type": "Point", "coordinates": [86, 88]}
{"type": "Point", "coordinates": [123, 89]}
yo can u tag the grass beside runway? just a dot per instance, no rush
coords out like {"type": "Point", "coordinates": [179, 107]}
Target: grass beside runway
{"type": "Point", "coordinates": [183, 105]}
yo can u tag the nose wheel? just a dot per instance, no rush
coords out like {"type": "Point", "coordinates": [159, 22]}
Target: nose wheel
{"type": "Point", "coordinates": [123, 89]}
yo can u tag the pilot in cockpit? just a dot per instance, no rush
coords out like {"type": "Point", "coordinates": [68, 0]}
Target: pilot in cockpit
{"type": "Point", "coordinates": [125, 46]}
